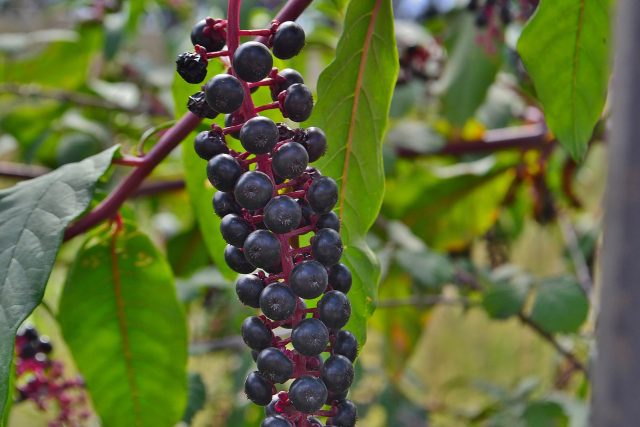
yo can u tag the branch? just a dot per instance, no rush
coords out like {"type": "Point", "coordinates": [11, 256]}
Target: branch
{"type": "Point", "coordinates": [156, 187]}
{"type": "Point", "coordinates": [571, 358]}
{"type": "Point", "coordinates": [226, 343]}
{"type": "Point", "coordinates": [77, 98]}
{"type": "Point", "coordinates": [109, 206]}
{"type": "Point", "coordinates": [421, 301]}
{"type": "Point", "coordinates": [21, 171]}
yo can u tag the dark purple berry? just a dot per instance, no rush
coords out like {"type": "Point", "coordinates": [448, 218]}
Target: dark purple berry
{"type": "Point", "coordinates": [308, 279]}
{"type": "Point", "coordinates": [224, 93]}
{"type": "Point", "coordinates": [208, 38]}
{"type": "Point", "coordinates": [282, 214]}
{"type": "Point", "coordinates": [278, 302]}
{"type": "Point", "coordinates": [340, 278]}
{"type": "Point", "coordinates": [334, 309]}
{"type": "Point", "coordinates": [209, 144]}
{"type": "Point", "coordinates": [345, 344]}
{"type": "Point", "coordinates": [248, 288]}
{"type": "Point", "coordinates": [191, 67]}
{"type": "Point", "coordinates": [323, 195]}
{"type": "Point", "coordinates": [253, 190]}
{"type": "Point", "coordinates": [259, 135]}
{"type": "Point", "coordinates": [298, 103]}
{"type": "Point", "coordinates": [326, 246]}
{"type": "Point", "coordinates": [252, 61]}
{"type": "Point", "coordinates": [256, 334]}
{"type": "Point", "coordinates": [337, 373]}
{"type": "Point", "coordinates": [308, 394]}
{"type": "Point", "coordinates": [310, 337]}
{"type": "Point", "coordinates": [235, 229]}
{"type": "Point", "coordinates": [274, 365]}
{"type": "Point", "coordinates": [346, 416]}
{"type": "Point", "coordinates": [288, 40]}
{"type": "Point", "coordinates": [258, 389]}
{"type": "Point", "coordinates": [329, 220]}
{"type": "Point", "coordinates": [315, 143]}
{"type": "Point", "coordinates": [290, 160]}
{"type": "Point", "coordinates": [236, 260]}
{"type": "Point", "coordinates": [223, 171]}
{"type": "Point", "coordinates": [276, 421]}
{"type": "Point", "coordinates": [262, 249]}
{"type": "Point", "coordinates": [233, 119]}
{"type": "Point", "coordinates": [224, 204]}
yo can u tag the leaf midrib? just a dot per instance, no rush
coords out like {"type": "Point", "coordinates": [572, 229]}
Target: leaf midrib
{"type": "Point", "coordinates": [356, 101]}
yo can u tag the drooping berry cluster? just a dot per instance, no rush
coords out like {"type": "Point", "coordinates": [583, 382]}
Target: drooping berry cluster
{"type": "Point", "coordinates": [40, 380]}
{"type": "Point", "coordinates": [494, 15]}
{"type": "Point", "coordinates": [269, 199]}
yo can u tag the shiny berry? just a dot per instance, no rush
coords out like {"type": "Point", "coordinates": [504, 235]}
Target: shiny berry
{"type": "Point", "coordinates": [206, 37]}
{"type": "Point", "coordinates": [337, 373]}
{"type": "Point", "coordinates": [326, 246]}
{"type": "Point", "coordinates": [308, 394]}
{"type": "Point", "coordinates": [252, 61]}
{"type": "Point", "coordinates": [256, 334]}
{"type": "Point", "coordinates": [236, 260]}
{"type": "Point", "coordinates": [258, 389]}
{"type": "Point", "coordinates": [288, 40]}
{"type": "Point", "coordinates": [253, 190]}
{"type": "Point", "coordinates": [274, 365]}
{"type": "Point", "coordinates": [209, 144]}
{"type": "Point", "coordinates": [290, 160]}
{"type": "Point", "coordinates": [315, 143]}
{"type": "Point", "coordinates": [248, 288]}
{"type": "Point", "coordinates": [323, 195]}
{"type": "Point", "coordinates": [282, 214]}
{"type": "Point", "coordinates": [298, 102]}
{"type": "Point", "coordinates": [262, 249]}
{"type": "Point", "coordinates": [235, 229]}
{"type": "Point", "coordinates": [346, 416]}
{"type": "Point", "coordinates": [345, 344]}
{"type": "Point", "coordinates": [259, 135]}
{"type": "Point", "coordinates": [223, 171]}
{"type": "Point", "coordinates": [198, 105]}
{"type": "Point", "coordinates": [278, 302]}
{"type": "Point", "coordinates": [310, 337]}
{"type": "Point", "coordinates": [290, 76]}
{"type": "Point", "coordinates": [276, 421]}
{"type": "Point", "coordinates": [334, 309]}
{"type": "Point", "coordinates": [224, 204]}
{"type": "Point", "coordinates": [340, 278]}
{"type": "Point", "coordinates": [329, 220]}
{"type": "Point", "coordinates": [224, 93]}
{"type": "Point", "coordinates": [308, 279]}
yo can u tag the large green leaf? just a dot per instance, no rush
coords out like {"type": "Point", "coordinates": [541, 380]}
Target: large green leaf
{"type": "Point", "coordinates": [469, 73]}
{"type": "Point", "coordinates": [565, 49]}
{"type": "Point", "coordinates": [195, 173]}
{"type": "Point", "coordinates": [560, 305]}
{"type": "Point", "coordinates": [354, 96]}
{"type": "Point", "coordinates": [120, 316]}
{"type": "Point", "coordinates": [33, 217]}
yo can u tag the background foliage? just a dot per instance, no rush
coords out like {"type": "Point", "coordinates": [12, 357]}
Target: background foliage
{"type": "Point", "coordinates": [481, 259]}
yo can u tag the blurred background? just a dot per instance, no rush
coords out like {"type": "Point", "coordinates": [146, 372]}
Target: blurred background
{"type": "Point", "coordinates": [488, 234]}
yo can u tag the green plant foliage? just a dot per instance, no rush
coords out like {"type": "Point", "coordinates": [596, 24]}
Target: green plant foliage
{"type": "Point", "coordinates": [33, 217]}
{"type": "Point", "coordinates": [195, 173]}
{"type": "Point", "coordinates": [560, 305]}
{"type": "Point", "coordinates": [565, 49]}
{"type": "Point", "coordinates": [354, 96]}
{"type": "Point", "coordinates": [469, 73]}
{"type": "Point", "coordinates": [505, 297]}
{"type": "Point", "coordinates": [197, 397]}
{"type": "Point", "coordinates": [120, 316]}
{"type": "Point", "coordinates": [545, 414]}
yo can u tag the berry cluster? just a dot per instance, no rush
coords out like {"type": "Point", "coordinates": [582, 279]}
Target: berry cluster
{"type": "Point", "coordinates": [268, 198]}
{"type": "Point", "coordinates": [40, 380]}
{"type": "Point", "coordinates": [494, 15]}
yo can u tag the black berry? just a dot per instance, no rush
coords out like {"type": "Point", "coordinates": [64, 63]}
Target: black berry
{"type": "Point", "coordinates": [256, 334]}
{"type": "Point", "coordinates": [282, 214]}
{"type": "Point", "coordinates": [258, 389]}
{"type": "Point", "coordinates": [346, 416]}
{"type": "Point", "coordinates": [329, 220]}
{"type": "Point", "coordinates": [209, 144]}
{"type": "Point", "coordinates": [308, 394]}
{"type": "Point", "coordinates": [310, 337]}
{"type": "Point", "coordinates": [337, 373]}
{"type": "Point", "coordinates": [323, 195]}
{"type": "Point", "coordinates": [248, 288]}
{"type": "Point", "coordinates": [345, 344]}
{"type": "Point", "coordinates": [233, 119]}
{"type": "Point", "coordinates": [253, 190]}
{"type": "Point", "coordinates": [235, 229]}
{"type": "Point", "coordinates": [288, 40]}
{"type": "Point", "coordinates": [340, 278]}
{"type": "Point", "coordinates": [315, 143]}
{"type": "Point", "coordinates": [198, 105]}
{"type": "Point", "coordinates": [259, 135]}
{"type": "Point", "coordinates": [278, 302]}
{"type": "Point", "coordinates": [223, 171]}
{"type": "Point", "coordinates": [236, 260]}
{"type": "Point", "coordinates": [224, 93]}
{"type": "Point", "coordinates": [308, 279]}
{"type": "Point", "coordinates": [298, 103]}
{"type": "Point", "coordinates": [290, 77]}
{"type": "Point", "coordinates": [206, 37]}
{"type": "Point", "coordinates": [275, 366]}
{"type": "Point", "coordinates": [252, 61]}
{"type": "Point", "coordinates": [262, 249]}
{"type": "Point", "coordinates": [334, 309]}
{"type": "Point", "coordinates": [191, 67]}
{"type": "Point", "coordinates": [224, 204]}
{"type": "Point", "coordinates": [326, 246]}
{"type": "Point", "coordinates": [290, 160]}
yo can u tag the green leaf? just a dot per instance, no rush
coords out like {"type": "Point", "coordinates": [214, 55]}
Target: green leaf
{"type": "Point", "coordinates": [565, 49]}
{"type": "Point", "coordinates": [469, 73]}
{"type": "Point", "coordinates": [354, 96]}
{"type": "Point", "coordinates": [560, 305]}
{"type": "Point", "coordinates": [195, 172]}
{"type": "Point", "coordinates": [127, 332]}
{"type": "Point", "coordinates": [505, 298]}
{"type": "Point", "coordinates": [545, 414]}
{"type": "Point", "coordinates": [33, 217]}
{"type": "Point", "coordinates": [197, 397]}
